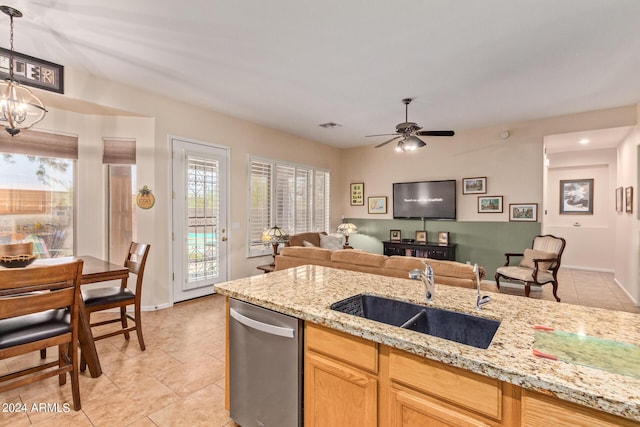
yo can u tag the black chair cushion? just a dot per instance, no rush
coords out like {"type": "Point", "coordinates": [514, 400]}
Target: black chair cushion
{"type": "Point", "coordinates": [33, 327]}
{"type": "Point", "coordinates": [106, 295]}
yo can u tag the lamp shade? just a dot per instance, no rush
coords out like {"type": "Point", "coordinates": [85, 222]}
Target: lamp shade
{"type": "Point", "coordinates": [347, 228]}
{"type": "Point", "coordinates": [274, 234]}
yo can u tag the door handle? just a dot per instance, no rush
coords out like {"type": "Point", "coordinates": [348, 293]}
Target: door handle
{"type": "Point", "coordinates": [262, 327]}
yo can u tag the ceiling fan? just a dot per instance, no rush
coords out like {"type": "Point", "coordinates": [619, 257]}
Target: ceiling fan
{"type": "Point", "coordinates": [409, 132]}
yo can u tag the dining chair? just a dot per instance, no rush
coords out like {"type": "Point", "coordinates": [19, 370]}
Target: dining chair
{"type": "Point", "coordinates": [106, 298]}
{"type": "Point", "coordinates": [39, 309]}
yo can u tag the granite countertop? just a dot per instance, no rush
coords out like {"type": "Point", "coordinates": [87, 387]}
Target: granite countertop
{"type": "Point", "coordinates": [307, 292]}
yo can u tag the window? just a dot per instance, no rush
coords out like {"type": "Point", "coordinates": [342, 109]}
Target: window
{"type": "Point", "coordinates": [36, 191]}
{"type": "Point", "coordinates": [120, 157]}
{"type": "Point", "coordinates": [293, 197]}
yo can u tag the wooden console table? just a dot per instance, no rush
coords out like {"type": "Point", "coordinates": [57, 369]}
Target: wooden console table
{"type": "Point", "coordinates": [422, 250]}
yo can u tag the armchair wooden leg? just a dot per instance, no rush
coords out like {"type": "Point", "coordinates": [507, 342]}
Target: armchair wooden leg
{"type": "Point", "coordinates": [497, 277]}
{"type": "Point", "coordinates": [555, 290]}
{"type": "Point", "coordinates": [527, 289]}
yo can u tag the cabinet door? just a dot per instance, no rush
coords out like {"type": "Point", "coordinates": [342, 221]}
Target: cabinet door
{"type": "Point", "coordinates": [338, 395]}
{"type": "Point", "coordinates": [410, 409]}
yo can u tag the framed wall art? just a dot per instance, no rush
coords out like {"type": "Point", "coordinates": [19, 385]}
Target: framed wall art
{"type": "Point", "coordinates": [421, 236]}
{"type": "Point", "coordinates": [474, 185]}
{"type": "Point", "coordinates": [32, 71]}
{"type": "Point", "coordinates": [576, 196]}
{"type": "Point", "coordinates": [619, 199]}
{"type": "Point", "coordinates": [443, 237]}
{"type": "Point", "coordinates": [357, 193]}
{"type": "Point", "coordinates": [524, 212]}
{"type": "Point", "coordinates": [489, 204]}
{"type": "Point", "coordinates": [395, 235]}
{"type": "Point", "coordinates": [628, 199]}
{"type": "Point", "coordinates": [377, 205]}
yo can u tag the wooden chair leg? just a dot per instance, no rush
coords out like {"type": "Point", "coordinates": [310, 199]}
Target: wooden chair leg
{"type": "Point", "coordinates": [139, 328]}
{"type": "Point", "coordinates": [123, 320]}
{"type": "Point", "coordinates": [83, 363]}
{"type": "Point", "coordinates": [497, 277]}
{"type": "Point", "coordinates": [527, 289]}
{"type": "Point", "coordinates": [75, 378]}
{"type": "Point", "coordinates": [62, 353]}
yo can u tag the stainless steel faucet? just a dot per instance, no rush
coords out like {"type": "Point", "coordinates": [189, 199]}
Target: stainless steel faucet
{"type": "Point", "coordinates": [480, 300]}
{"type": "Point", "coordinates": [427, 278]}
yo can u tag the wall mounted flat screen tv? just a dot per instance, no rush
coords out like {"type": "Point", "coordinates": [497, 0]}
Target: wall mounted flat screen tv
{"type": "Point", "coordinates": [425, 200]}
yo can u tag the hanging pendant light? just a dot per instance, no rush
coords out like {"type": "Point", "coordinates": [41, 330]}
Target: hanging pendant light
{"type": "Point", "coordinates": [19, 108]}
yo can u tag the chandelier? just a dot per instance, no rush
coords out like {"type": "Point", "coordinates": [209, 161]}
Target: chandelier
{"type": "Point", "coordinates": [19, 108]}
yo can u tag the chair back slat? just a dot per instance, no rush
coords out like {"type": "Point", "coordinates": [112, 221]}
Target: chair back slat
{"type": "Point", "coordinates": [551, 244]}
{"type": "Point", "coordinates": [36, 302]}
{"type": "Point", "coordinates": [44, 277]}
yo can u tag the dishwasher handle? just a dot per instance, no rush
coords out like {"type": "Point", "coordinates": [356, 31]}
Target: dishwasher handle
{"type": "Point", "coordinates": [260, 326]}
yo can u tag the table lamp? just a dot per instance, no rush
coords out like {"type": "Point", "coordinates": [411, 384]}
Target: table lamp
{"type": "Point", "coordinates": [274, 236]}
{"type": "Point", "coordinates": [346, 229]}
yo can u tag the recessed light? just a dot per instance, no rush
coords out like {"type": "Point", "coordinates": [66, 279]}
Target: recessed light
{"type": "Point", "coordinates": [584, 141]}
{"type": "Point", "coordinates": [330, 125]}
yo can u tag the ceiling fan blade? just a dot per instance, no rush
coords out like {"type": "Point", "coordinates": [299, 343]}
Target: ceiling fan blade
{"type": "Point", "coordinates": [388, 141]}
{"type": "Point", "coordinates": [435, 133]}
{"type": "Point", "coordinates": [381, 134]}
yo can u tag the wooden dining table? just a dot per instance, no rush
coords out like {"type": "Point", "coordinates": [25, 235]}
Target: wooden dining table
{"type": "Point", "coordinates": [94, 270]}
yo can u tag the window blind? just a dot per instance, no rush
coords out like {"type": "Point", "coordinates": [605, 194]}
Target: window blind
{"type": "Point", "coordinates": [260, 201]}
{"type": "Point", "coordinates": [118, 151]}
{"type": "Point", "coordinates": [42, 144]}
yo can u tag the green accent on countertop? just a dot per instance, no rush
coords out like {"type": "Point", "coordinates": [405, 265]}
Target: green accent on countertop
{"type": "Point", "coordinates": [612, 356]}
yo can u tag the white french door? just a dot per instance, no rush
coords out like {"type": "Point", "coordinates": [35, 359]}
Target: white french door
{"type": "Point", "coordinates": [199, 215]}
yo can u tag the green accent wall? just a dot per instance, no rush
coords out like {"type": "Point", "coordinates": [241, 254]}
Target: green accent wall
{"type": "Point", "coordinates": [481, 242]}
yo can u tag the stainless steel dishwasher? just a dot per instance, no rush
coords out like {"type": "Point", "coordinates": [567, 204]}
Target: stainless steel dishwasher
{"type": "Point", "coordinates": [265, 367]}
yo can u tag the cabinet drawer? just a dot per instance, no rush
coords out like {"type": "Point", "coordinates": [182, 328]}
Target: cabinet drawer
{"type": "Point", "coordinates": [348, 348]}
{"type": "Point", "coordinates": [455, 385]}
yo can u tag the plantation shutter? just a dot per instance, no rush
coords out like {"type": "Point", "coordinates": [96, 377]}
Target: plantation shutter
{"type": "Point", "coordinates": [261, 175]}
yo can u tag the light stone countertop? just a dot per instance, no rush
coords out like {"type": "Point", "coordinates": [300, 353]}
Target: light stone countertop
{"type": "Point", "coordinates": [306, 292]}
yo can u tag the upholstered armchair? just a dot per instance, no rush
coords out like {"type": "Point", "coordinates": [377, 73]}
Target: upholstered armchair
{"type": "Point", "coordinates": [539, 265]}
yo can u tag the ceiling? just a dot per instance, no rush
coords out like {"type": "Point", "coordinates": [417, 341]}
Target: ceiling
{"type": "Point", "coordinates": [294, 64]}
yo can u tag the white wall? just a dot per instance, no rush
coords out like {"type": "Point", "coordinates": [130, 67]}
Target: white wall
{"type": "Point", "coordinates": [150, 119]}
{"type": "Point", "coordinates": [627, 252]}
{"type": "Point", "coordinates": [590, 238]}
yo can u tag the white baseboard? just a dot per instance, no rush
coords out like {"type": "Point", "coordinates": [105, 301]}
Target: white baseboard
{"type": "Point", "coordinates": [635, 301]}
{"type": "Point", "coordinates": [577, 267]}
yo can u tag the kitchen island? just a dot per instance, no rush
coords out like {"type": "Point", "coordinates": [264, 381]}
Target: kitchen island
{"type": "Point", "coordinates": [307, 292]}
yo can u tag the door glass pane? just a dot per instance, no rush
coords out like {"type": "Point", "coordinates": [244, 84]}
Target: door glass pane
{"type": "Point", "coordinates": [36, 203]}
{"type": "Point", "coordinates": [202, 219]}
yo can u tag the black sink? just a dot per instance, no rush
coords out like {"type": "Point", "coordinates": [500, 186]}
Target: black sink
{"type": "Point", "coordinates": [450, 325]}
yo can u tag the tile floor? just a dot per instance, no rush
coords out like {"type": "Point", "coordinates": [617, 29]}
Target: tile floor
{"type": "Point", "coordinates": [179, 379]}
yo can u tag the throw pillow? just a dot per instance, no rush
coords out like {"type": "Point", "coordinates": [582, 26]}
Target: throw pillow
{"type": "Point", "coordinates": [330, 242]}
{"type": "Point", "coordinates": [531, 254]}
{"type": "Point", "coordinates": [308, 244]}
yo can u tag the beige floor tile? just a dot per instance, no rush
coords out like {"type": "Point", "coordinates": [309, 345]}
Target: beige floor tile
{"type": "Point", "coordinates": [199, 373]}
{"type": "Point", "coordinates": [204, 407]}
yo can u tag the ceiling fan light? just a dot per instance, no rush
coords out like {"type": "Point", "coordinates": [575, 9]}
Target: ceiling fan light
{"type": "Point", "coordinates": [400, 147]}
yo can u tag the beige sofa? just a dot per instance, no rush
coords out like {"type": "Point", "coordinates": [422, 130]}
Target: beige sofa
{"type": "Point", "coordinates": [445, 272]}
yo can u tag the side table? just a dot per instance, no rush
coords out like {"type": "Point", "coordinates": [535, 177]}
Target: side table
{"type": "Point", "coordinates": [267, 268]}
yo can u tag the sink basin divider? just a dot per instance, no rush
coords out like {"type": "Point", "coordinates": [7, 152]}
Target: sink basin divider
{"type": "Point", "coordinates": [413, 319]}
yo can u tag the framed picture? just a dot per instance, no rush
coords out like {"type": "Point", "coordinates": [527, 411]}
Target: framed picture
{"type": "Point", "coordinates": [443, 237]}
{"type": "Point", "coordinates": [32, 71]}
{"type": "Point", "coordinates": [421, 236]}
{"type": "Point", "coordinates": [576, 196]}
{"type": "Point", "coordinates": [523, 212]}
{"type": "Point", "coordinates": [357, 194]}
{"type": "Point", "coordinates": [377, 205]}
{"type": "Point", "coordinates": [619, 199]}
{"type": "Point", "coordinates": [489, 204]}
{"type": "Point", "coordinates": [395, 235]}
{"type": "Point", "coordinates": [474, 185]}
{"type": "Point", "coordinates": [628, 199]}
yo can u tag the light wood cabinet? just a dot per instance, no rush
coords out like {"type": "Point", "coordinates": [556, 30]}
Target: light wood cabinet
{"type": "Point", "coordinates": [355, 382]}
{"type": "Point", "coordinates": [340, 379]}
{"type": "Point", "coordinates": [541, 410]}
